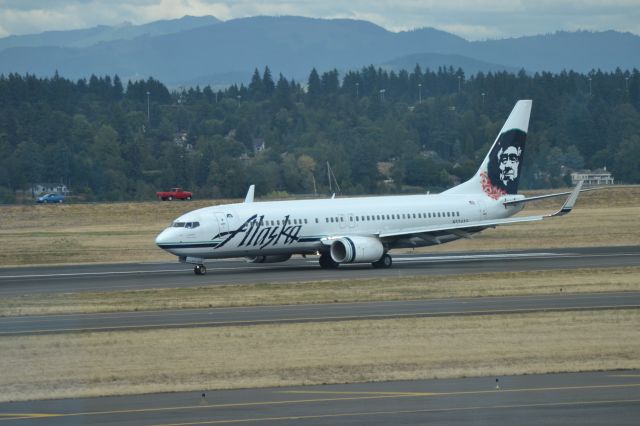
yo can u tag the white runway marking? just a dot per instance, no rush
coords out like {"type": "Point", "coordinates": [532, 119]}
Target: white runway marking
{"type": "Point", "coordinates": [477, 257]}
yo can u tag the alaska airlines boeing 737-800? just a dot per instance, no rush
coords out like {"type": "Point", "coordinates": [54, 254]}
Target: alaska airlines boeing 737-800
{"type": "Point", "coordinates": [363, 229]}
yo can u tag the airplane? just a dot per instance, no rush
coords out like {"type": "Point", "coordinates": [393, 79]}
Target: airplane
{"type": "Point", "coordinates": [364, 229]}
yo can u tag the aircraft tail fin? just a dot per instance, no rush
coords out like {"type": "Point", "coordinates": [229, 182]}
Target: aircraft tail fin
{"type": "Point", "coordinates": [500, 171]}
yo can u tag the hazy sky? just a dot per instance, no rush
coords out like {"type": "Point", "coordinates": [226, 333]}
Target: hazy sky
{"type": "Point", "coordinates": [471, 19]}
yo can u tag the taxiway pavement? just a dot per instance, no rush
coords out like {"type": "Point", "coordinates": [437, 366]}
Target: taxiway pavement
{"type": "Point", "coordinates": [253, 315]}
{"type": "Point", "coordinates": [600, 398]}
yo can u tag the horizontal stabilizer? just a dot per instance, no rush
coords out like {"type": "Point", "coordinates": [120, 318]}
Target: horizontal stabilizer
{"type": "Point", "coordinates": [542, 197]}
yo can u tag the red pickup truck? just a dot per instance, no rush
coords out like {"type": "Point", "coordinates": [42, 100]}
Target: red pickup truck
{"type": "Point", "coordinates": [174, 194]}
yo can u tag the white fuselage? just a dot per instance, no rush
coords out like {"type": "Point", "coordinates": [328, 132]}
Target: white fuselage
{"type": "Point", "coordinates": [304, 226]}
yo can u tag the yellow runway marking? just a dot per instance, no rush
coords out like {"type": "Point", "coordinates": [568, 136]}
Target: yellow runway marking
{"type": "Point", "coordinates": [378, 413]}
{"type": "Point", "coordinates": [356, 396]}
{"type": "Point", "coordinates": [361, 393]}
{"type": "Point", "coordinates": [476, 392]}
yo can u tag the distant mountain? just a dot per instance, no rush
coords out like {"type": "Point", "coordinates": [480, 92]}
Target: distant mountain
{"type": "Point", "coordinates": [433, 61]}
{"type": "Point", "coordinates": [205, 51]}
{"type": "Point", "coordinates": [91, 36]}
{"type": "Point", "coordinates": [579, 51]}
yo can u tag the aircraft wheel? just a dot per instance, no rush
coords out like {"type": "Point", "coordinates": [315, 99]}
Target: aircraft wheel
{"type": "Point", "coordinates": [326, 262]}
{"type": "Point", "coordinates": [384, 262]}
{"type": "Point", "coordinates": [200, 270]}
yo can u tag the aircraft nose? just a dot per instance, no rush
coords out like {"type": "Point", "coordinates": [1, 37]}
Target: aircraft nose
{"type": "Point", "coordinates": [162, 238]}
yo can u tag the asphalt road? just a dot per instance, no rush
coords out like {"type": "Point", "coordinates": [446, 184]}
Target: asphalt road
{"type": "Point", "coordinates": [76, 278]}
{"type": "Point", "coordinates": [602, 398]}
{"type": "Point", "coordinates": [243, 316]}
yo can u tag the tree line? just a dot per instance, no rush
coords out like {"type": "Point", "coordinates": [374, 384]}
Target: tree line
{"type": "Point", "coordinates": [381, 131]}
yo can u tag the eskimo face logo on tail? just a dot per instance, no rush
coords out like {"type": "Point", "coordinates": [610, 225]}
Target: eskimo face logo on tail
{"type": "Point", "coordinates": [505, 159]}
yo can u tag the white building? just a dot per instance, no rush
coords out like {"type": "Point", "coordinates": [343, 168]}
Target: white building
{"type": "Point", "coordinates": [593, 177]}
{"type": "Point", "coordinates": [49, 188]}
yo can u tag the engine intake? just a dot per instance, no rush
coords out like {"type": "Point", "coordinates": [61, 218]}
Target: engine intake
{"type": "Point", "coordinates": [356, 250]}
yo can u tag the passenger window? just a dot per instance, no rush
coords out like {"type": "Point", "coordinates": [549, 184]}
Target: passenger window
{"type": "Point", "coordinates": [341, 219]}
{"type": "Point", "coordinates": [305, 221]}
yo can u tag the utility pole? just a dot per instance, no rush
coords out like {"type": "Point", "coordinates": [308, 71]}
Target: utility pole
{"type": "Point", "coordinates": [148, 110]}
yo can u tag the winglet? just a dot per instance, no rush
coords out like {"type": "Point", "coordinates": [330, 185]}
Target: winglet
{"type": "Point", "coordinates": [250, 192]}
{"type": "Point", "coordinates": [571, 201]}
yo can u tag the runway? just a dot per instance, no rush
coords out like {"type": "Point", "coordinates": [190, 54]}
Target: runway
{"type": "Point", "coordinates": [245, 316]}
{"type": "Point", "coordinates": [77, 278]}
{"type": "Point", "coordinates": [611, 397]}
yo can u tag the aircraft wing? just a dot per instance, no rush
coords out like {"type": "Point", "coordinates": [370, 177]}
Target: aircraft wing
{"type": "Point", "coordinates": [464, 230]}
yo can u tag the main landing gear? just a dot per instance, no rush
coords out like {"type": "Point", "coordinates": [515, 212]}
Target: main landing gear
{"type": "Point", "coordinates": [384, 262]}
{"type": "Point", "coordinates": [326, 262]}
{"type": "Point", "coordinates": [200, 270]}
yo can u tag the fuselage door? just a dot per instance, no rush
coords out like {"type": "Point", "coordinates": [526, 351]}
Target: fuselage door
{"type": "Point", "coordinates": [483, 208]}
{"type": "Point", "coordinates": [222, 222]}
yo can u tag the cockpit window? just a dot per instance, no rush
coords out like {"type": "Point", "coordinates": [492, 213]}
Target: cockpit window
{"type": "Point", "coordinates": [191, 225]}
{"type": "Point", "coordinates": [178, 224]}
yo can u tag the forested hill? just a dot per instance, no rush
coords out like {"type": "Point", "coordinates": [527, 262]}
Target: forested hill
{"type": "Point", "coordinates": [98, 137]}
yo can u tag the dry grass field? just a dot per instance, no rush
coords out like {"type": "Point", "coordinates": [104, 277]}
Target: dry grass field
{"type": "Point", "coordinates": [92, 364]}
{"type": "Point", "coordinates": [125, 232]}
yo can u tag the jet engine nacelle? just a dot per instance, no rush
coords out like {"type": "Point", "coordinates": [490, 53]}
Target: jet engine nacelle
{"type": "Point", "coordinates": [269, 259]}
{"type": "Point", "coordinates": [356, 250]}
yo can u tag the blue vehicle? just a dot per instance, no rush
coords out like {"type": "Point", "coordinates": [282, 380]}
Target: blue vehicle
{"type": "Point", "coordinates": [50, 198]}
